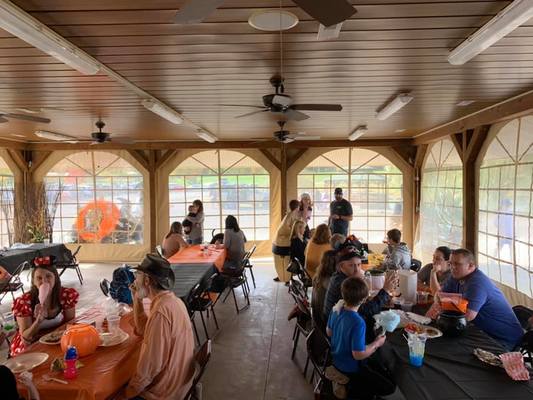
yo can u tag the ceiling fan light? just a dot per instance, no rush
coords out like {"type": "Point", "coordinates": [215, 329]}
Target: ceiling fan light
{"type": "Point", "coordinates": [19, 23]}
{"type": "Point", "coordinates": [53, 136]}
{"type": "Point", "coordinates": [208, 137]}
{"type": "Point", "coordinates": [507, 20]}
{"type": "Point", "coordinates": [163, 111]}
{"type": "Point", "coordinates": [273, 20]}
{"type": "Point", "coordinates": [329, 32]}
{"type": "Point", "coordinates": [394, 106]}
{"type": "Point", "coordinates": [358, 132]}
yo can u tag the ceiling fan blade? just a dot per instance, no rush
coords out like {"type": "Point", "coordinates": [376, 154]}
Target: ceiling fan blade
{"type": "Point", "coordinates": [317, 107]}
{"type": "Point", "coordinates": [298, 137]}
{"type": "Point", "coordinates": [28, 118]}
{"type": "Point", "coordinates": [195, 11]}
{"type": "Point", "coordinates": [240, 105]}
{"type": "Point", "coordinates": [329, 12]}
{"type": "Point", "coordinates": [295, 115]}
{"type": "Point", "coordinates": [3, 120]}
{"type": "Point", "coordinates": [252, 113]}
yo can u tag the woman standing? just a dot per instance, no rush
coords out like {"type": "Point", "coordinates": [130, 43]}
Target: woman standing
{"type": "Point", "coordinates": [281, 244]}
{"type": "Point", "coordinates": [305, 211]}
{"type": "Point", "coordinates": [234, 240]}
{"type": "Point", "coordinates": [316, 247]}
{"type": "Point", "coordinates": [298, 242]}
{"type": "Point", "coordinates": [196, 216]}
{"type": "Point", "coordinates": [46, 306]}
{"type": "Point", "coordinates": [173, 241]}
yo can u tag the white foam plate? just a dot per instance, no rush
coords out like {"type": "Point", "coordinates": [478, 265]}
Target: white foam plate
{"type": "Point", "coordinates": [25, 362]}
{"type": "Point", "coordinates": [109, 339]}
{"type": "Point", "coordinates": [45, 338]}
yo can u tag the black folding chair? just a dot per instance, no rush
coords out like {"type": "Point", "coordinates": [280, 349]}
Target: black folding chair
{"type": "Point", "coordinates": [234, 279]}
{"type": "Point", "coordinates": [303, 275]}
{"type": "Point", "coordinates": [303, 317]}
{"type": "Point", "coordinates": [14, 283]}
{"type": "Point", "coordinates": [248, 265]}
{"type": "Point", "coordinates": [416, 264]}
{"type": "Point", "coordinates": [318, 353]}
{"type": "Point", "coordinates": [72, 263]}
{"type": "Point", "coordinates": [201, 358]}
{"type": "Point", "coordinates": [200, 302]}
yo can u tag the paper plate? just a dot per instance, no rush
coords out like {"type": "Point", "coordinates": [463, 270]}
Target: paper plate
{"type": "Point", "coordinates": [52, 338]}
{"type": "Point", "coordinates": [25, 362]}
{"type": "Point", "coordinates": [488, 357]}
{"type": "Point", "coordinates": [432, 333]}
{"type": "Point", "coordinates": [109, 339]}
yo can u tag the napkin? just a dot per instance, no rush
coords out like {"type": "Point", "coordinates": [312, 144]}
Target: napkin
{"type": "Point", "coordinates": [44, 289]}
{"type": "Point", "coordinates": [514, 366]}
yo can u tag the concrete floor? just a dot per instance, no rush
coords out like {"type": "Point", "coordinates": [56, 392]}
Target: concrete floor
{"type": "Point", "coordinates": [251, 351]}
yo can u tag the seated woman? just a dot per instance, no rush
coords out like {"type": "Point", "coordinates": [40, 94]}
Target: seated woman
{"type": "Point", "coordinates": [321, 280]}
{"type": "Point", "coordinates": [434, 274]}
{"type": "Point", "coordinates": [316, 247]}
{"type": "Point", "coordinates": [35, 316]}
{"type": "Point", "coordinates": [174, 240]}
{"type": "Point", "coordinates": [234, 240]}
{"type": "Point", "coordinates": [298, 242]}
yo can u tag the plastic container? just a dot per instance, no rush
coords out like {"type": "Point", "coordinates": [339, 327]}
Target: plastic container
{"type": "Point", "coordinates": [407, 306]}
{"type": "Point", "coordinates": [113, 324]}
{"type": "Point", "coordinates": [71, 356]}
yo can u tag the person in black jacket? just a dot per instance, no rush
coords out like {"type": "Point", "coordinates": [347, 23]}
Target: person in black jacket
{"type": "Point", "coordinates": [298, 241]}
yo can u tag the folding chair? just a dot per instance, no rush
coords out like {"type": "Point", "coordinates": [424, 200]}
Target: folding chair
{"type": "Point", "coordinates": [14, 283]}
{"type": "Point", "coordinates": [416, 264]}
{"type": "Point", "coordinates": [303, 319]}
{"type": "Point", "coordinates": [235, 279]}
{"type": "Point", "coordinates": [72, 263]}
{"type": "Point", "coordinates": [200, 301]}
{"type": "Point", "coordinates": [248, 265]}
{"type": "Point", "coordinates": [201, 358]}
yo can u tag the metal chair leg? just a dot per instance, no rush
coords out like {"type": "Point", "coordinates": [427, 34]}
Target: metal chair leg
{"type": "Point", "coordinates": [295, 344]}
{"type": "Point", "coordinates": [214, 317]}
{"type": "Point", "coordinates": [205, 326]}
{"type": "Point", "coordinates": [195, 330]}
{"type": "Point", "coordinates": [253, 277]}
{"type": "Point", "coordinates": [306, 365]}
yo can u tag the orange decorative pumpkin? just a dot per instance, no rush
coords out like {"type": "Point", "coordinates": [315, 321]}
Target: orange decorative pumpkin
{"type": "Point", "coordinates": [84, 337]}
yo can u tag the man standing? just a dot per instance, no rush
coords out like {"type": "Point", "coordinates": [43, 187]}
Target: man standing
{"type": "Point", "coordinates": [487, 307]}
{"type": "Point", "coordinates": [340, 214]}
{"type": "Point", "coordinates": [165, 367]}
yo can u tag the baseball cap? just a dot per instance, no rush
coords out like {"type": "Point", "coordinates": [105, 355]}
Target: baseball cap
{"type": "Point", "coordinates": [338, 190]}
{"type": "Point", "coordinates": [157, 268]}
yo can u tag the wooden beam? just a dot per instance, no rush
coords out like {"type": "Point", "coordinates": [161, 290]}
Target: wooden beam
{"type": "Point", "coordinates": [19, 159]}
{"type": "Point", "coordinates": [508, 109]}
{"type": "Point", "coordinates": [271, 158]}
{"type": "Point", "coordinates": [152, 188]}
{"type": "Point", "coordinates": [295, 157]}
{"type": "Point", "coordinates": [227, 144]}
{"type": "Point", "coordinates": [36, 163]}
{"type": "Point", "coordinates": [475, 141]}
{"type": "Point", "coordinates": [13, 144]}
{"type": "Point", "coordinates": [417, 184]}
{"type": "Point", "coordinates": [458, 142]}
{"type": "Point", "coordinates": [164, 158]}
{"type": "Point", "coordinates": [406, 153]}
{"type": "Point", "coordinates": [140, 157]}
{"type": "Point", "coordinates": [283, 183]}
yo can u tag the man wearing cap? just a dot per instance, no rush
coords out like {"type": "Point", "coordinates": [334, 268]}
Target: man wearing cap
{"type": "Point", "coordinates": [340, 214]}
{"type": "Point", "coordinates": [165, 367]}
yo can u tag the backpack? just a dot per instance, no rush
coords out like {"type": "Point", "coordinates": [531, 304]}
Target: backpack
{"type": "Point", "coordinates": [119, 287]}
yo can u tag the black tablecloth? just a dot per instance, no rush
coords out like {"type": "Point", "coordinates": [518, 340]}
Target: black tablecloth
{"type": "Point", "coordinates": [188, 275]}
{"type": "Point", "coordinates": [12, 258]}
{"type": "Point", "coordinates": [451, 371]}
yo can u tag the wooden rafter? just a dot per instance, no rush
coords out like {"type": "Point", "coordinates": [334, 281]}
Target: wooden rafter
{"type": "Point", "coordinates": [406, 153]}
{"type": "Point", "coordinates": [19, 159]}
{"type": "Point", "coordinates": [295, 157]}
{"type": "Point", "coordinates": [36, 162]}
{"type": "Point", "coordinates": [271, 158]}
{"type": "Point", "coordinates": [164, 158]}
{"type": "Point", "coordinates": [458, 142]}
{"type": "Point", "coordinates": [140, 157]}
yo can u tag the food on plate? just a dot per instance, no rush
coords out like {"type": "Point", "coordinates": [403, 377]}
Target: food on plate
{"type": "Point", "coordinates": [432, 332]}
{"type": "Point", "coordinates": [52, 337]}
{"type": "Point", "coordinates": [414, 328]}
{"type": "Point", "coordinates": [488, 357]}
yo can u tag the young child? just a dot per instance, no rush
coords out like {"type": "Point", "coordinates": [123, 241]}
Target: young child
{"type": "Point", "coordinates": [187, 226]}
{"type": "Point", "coordinates": [349, 373]}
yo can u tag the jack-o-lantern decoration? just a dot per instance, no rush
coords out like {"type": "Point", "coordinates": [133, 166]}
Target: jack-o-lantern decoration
{"type": "Point", "coordinates": [97, 220]}
{"type": "Point", "coordinates": [84, 337]}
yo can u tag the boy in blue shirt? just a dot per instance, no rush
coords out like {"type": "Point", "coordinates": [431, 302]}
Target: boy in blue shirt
{"type": "Point", "coordinates": [347, 331]}
{"type": "Point", "coordinates": [487, 307]}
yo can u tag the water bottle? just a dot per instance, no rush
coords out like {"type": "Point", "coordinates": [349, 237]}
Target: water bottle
{"type": "Point", "coordinates": [71, 356]}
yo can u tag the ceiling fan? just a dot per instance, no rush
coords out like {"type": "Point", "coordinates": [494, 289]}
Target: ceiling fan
{"type": "Point", "coordinates": [281, 103]}
{"type": "Point", "coordinates": [328, 12]}
{"type": "Point", "coordinates": [98, 137]}
{"type": "Point", "coordinates": [6, 116]}
{"type": "Point", "coordinates": [284, 136]}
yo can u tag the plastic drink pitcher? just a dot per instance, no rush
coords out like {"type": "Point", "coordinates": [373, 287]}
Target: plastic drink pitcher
{"type": "Point", "coordinates": [71, 356]}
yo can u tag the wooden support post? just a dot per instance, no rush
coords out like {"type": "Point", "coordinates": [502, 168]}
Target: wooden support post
{"type": "Point", "coordinates": [472, 145]}
{"type": "Point", "coordinates": [417, 184]}
{"type": "Point", "coordinates": [271, 158]}
{"type": "Point", "coordinates": [283, 183]}
{"type": "Point", "coordinates": [153, 209]}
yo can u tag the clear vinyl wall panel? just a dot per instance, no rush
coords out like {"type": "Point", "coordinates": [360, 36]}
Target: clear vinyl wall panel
{"type": "Point", "coordinates": [228, 183]}
{"type": "Point", "coordinates": [441, 203]}
{"type": "Point", "coordinates": [7, 205]}
{"type": "Point", "coordinates": [505, 241]}
{"type": "Point", "coordinates": [370, 182]}
{"type": "Point", "coordinates": [96, 197]}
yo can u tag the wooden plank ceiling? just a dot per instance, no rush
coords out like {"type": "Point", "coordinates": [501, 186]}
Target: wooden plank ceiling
{"type": "Point", "coordinates": [388, 46]}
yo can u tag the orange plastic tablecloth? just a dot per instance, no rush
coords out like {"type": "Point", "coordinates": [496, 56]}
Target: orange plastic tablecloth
{"type": "Point", "coordinates": [193, 255]}
{"type": "Point", "coordinates": [103, 373]}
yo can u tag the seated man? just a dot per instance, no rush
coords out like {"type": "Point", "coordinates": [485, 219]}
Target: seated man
{"type": "Point", "coordinates": [348, 331]}
{"type": "Point", "coordinates": [397, 254]}
{"type": "Point", "coordinates": [487, 307]}
{"type": "Point", "coordinates": [165, 367]}
{"type": "Point", "coordinates": [349, 265]}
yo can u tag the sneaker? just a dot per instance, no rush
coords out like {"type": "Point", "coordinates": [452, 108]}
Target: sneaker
{"type": "Point", "coordinates": [334, 375]}
{"type": "Point", "coordinates": [339, 390]}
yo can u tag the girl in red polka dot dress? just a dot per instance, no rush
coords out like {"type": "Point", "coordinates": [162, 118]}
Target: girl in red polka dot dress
{"type": "Point", "coordinates": [35, 319]}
